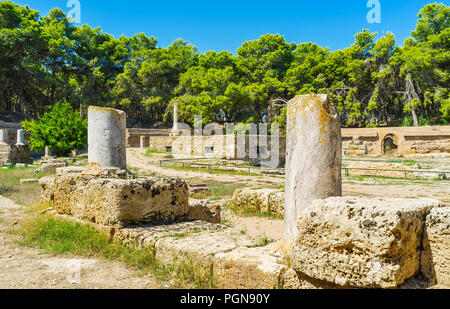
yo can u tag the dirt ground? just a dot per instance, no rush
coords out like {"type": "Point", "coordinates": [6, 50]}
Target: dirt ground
{"type": "Point", "coordinates": [28, 268]}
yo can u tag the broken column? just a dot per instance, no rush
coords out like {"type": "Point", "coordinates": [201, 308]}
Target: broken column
{"type": "Point", "coordinates": [107, 137]}
{"type": "Point", "coordinates": [21, 137]}
{"type": "Point", "coordinates": [175, 117]}
{"type": "Point", "coordinates": [142, 141]}
{"type": "Point", "coordinates": [314, 156]}
{"type": "Point", "coordinates": [4, 136]}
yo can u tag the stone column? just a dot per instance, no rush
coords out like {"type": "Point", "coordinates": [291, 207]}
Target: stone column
{"type": "Point", "coordinates": [175, 116]}
{"type": "Point", "coordinates": [48, 153]}
{"type": "Point", "coordinates": [142, 142]}
{"type": "Point", "coordinates": [20, 137]}
{"type": "Point", "coordinates": [314, 156]}
{"type": "Point", "coordinates": [4, 136]}
{"type": "Point", "coordinates": [107, 137]}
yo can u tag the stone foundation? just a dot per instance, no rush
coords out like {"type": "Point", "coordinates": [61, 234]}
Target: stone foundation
{"type": "Point", "coordinates": [15, 154]}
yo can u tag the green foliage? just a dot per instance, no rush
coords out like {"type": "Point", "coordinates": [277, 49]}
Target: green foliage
{"type": "Point", "coordinates": [61, 128]}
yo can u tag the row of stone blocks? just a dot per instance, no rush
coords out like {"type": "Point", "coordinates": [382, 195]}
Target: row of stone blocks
{"type": "Point", "coordinates": [345, 242]}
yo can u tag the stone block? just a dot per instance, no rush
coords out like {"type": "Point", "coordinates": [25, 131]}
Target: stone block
{"type": "Point", "coordinates": [436, 244]}
{"type": "Point", "coordinates": [248, 268]}
{"type": "Point", "coordinates": [118, 202]}
{"type": "Point", "coordinates": [261, 200]}
{"type": "Point", "coordinates": [47, 184]}
{"type": "Point", "coordinates": [148, 235]}
{"type": "Point", "coordinates": [361, 242]}
{"type": "Point", "coordinates": [202, 210]}
{"type": "Point", "coordinates": [199, 249]}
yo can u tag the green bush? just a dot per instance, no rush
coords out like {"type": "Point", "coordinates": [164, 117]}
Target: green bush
{"type": "Point", "coordinates": [60, 128]}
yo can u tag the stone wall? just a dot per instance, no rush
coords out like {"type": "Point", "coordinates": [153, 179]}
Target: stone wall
{"type": "Point", "coordinates": [188, 146]}
{"type": "Point", "coordinates": [356, 142]}
{"type": "Point", "coordinates": [408, 140]}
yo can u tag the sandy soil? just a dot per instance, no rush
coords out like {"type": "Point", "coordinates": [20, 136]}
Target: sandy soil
{"type": "Point", "coordinates": [28, 268]}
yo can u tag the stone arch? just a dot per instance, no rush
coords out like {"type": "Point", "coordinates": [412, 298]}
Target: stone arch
{"type": "Point", "coordinates": [390, 144]}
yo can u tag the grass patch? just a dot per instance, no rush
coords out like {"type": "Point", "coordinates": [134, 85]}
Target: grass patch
{"type": "Point", "coordinates": [10, 186]}
{"type": "Point", "coordinates": [56, 236]}
{"type": "Point", "coordinates": [151, 151]}
{"type": "Point", "coordinates": [250, 211]}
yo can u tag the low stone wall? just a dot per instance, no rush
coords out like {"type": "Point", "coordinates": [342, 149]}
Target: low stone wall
{"type": "Point", "coordinates": [433, 140]}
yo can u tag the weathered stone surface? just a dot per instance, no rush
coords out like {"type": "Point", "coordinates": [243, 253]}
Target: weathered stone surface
{"type": "Point", "coordinates": [148, 235]}
{"type": "Point", "coordinates": [202, 210]}
{"type": "Point", "coordinates": [69, 169]}
{"type": "Point", "coordinates": [107, 137]}
{"type": "Point", "coordinates": [436, 244]}
{"type": "Point", "coordinates": [28, 181]}
{"type": "Point", "coordinates": [248, 268]}
{"type": "Point", "coordinates": [361, 242]}
{"type": "Point", "coordinates": [46, 184]}
{"type": "Point", "coordinates": [197, 187]}
{"type": "Point", "coordinates": [95, 170]}
{"type": "Point", "coordinates": [199, 249]}
{"type": "Point", "coordinates": [15, 154]}
{"type": "Point", "coordinates": [115, 202]}
{"type": "Point", "coordinates": [261, 200]}
{"type": "Point", "coordinates": [314, 156]}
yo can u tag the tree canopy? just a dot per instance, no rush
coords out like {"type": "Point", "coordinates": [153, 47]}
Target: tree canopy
{"type": "Point", "coordinates": [44, 60]}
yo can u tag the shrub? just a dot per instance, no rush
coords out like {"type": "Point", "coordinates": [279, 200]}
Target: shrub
{"type": "Point", "coordinates": [60, 128]}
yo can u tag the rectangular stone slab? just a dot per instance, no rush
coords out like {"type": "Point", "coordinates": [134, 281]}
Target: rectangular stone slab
{"type": "Point", "coordinates": [248, 268]}
{"type": "Point", "coordinates": [118, 202]}
{"type": "Point", "coordinates": [200, 249]}
{"type": "Point", "coordinates": [361, 242]}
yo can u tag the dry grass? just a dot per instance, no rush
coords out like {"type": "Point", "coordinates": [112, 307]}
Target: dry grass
{"type": "Point", "coordinates": [10, 186]}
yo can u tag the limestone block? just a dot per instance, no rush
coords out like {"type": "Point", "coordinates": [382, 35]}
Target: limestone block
{"type": "Point", "coordinates": [117, 202]}
{"type": "Point", "coordinates": [202, 210]}
{"type": "Point", "coordinates": [314, 156]}
{"type": "Point", "coordinates": [46, 184]}
{"type": "Point", "coordinates": [436, 245]}
{"type": "Point", "coordinates": [248, 268]}
{"type": "Point", "coordinates": [28, 181]}
{"type": "Point", "coordinates": [51, 166]}
{"type": "Point", "coordinates": [69, 169]}
{"type": "Point", "coordinates": [199, 249]}
{"type": "Point", "coordinates": [261, 200]}
{"type": "Point", "coordinates": [361, 242]}
{"type": "Point", "coordinates": [148, 235]}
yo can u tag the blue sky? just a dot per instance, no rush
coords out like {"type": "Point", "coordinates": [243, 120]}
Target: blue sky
{"type": "Point", "coordinates": [225, 25]}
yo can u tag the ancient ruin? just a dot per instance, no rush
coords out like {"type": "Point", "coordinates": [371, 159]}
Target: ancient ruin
{"type": "Point", "coordinates": [314, 156]}
{"type": "Point", "coordinates": [18, 153]}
